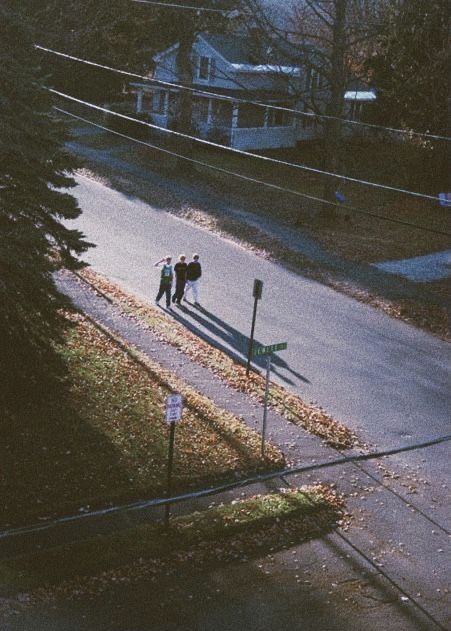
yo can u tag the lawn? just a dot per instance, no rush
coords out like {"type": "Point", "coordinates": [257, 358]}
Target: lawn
{"type": "Point", "coordinates": [105, 441]}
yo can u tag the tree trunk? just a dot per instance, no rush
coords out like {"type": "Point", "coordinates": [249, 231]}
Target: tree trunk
{"type": "Point", "coordinates": [335, 108]}
{"type": "Point", "coordinates": [183, 112]}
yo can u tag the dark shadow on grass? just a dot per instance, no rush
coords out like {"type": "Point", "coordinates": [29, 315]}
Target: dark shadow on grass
{"type": "Point", "coordinates": [57, 462]}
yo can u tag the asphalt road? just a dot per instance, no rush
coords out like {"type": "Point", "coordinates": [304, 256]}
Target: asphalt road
{"type": "Point", "coordinates": [384, 379]}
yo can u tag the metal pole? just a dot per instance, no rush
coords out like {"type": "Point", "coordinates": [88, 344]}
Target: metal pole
{"type": "Point", "coordinates": [251, 339]}
{"type": "Point", "coordinates": [265, 407]}
{"type": "Point", "coordinates": [169, 482]}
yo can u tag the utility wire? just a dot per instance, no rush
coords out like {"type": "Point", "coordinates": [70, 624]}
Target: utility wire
{"type": "Point", "coordinates": [249, 179]}
{"type": "Point", "coordinates": [343, 178]}
{"type": "Point", "coordinates": [408, 503]}
{"type": "Point", "coordinates": [224, 97]}
{"type": "Point", "coordinates": [170, 5]}
{"type": "Point", "coordinates": [263, 477]}
{"type": "Point", "coordinates": [379, 570]}
{"type": "Point", "coordinates": [396, 585]}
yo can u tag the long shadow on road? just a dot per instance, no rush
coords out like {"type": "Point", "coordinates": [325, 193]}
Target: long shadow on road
{"type": "Point", "coordinates": [234, 343]}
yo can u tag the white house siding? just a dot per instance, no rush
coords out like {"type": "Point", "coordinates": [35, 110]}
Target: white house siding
{"type": "Point", "coordinates": [263, 138]}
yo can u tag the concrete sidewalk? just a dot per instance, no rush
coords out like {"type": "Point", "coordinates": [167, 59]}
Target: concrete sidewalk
{"type": "Point", "coordinates": [320, 585]}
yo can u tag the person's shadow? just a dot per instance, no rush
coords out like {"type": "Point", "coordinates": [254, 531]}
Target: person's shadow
{"type": "Point", "coordinates": [235, 343]}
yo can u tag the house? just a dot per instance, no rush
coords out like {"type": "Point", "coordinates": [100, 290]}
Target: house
{"type": "Point", "coordinates": [230, 68]}
{"type": "Point", "coordinates": [359, 100]}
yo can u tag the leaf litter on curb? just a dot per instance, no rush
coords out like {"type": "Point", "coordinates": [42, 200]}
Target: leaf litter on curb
{"type": "Point", "coordinates": [311, 418]}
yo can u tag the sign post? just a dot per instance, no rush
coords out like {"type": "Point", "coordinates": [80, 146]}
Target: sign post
{"type": "Point", "coordinates": [257, 294]}
{"type": "Point", "coordinates": [265, 407]}
{"type": "Point", "coordinates": [174, 410]}
{"type": "Point", "coordinates": [267, 350]}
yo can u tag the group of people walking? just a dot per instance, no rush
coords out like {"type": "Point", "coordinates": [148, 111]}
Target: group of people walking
{"type": "Point", "coordinates": [187, 277]}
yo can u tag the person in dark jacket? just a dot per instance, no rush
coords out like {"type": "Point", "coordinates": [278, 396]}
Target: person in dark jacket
{"type": "Point", "coordinates": [193, 274]}
{"type": "Point", "coordinates": [166, 277]}
{"type": "Point", "coordinates": [180, 279]}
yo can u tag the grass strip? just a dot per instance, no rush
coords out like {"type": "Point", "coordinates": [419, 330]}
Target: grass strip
{"type": "Point", "coordinates": [240, 530]}
{"type": "Point", "coordinates": [311, 418]}
{"type": "Point", "coordinates": [103, 439]}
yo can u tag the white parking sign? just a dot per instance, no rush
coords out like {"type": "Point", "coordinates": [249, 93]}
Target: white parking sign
{"type": "Point", "coordinates": [174, 408]}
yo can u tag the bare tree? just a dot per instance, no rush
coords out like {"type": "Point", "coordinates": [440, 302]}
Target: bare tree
{"type": "Point", "coordinates": [334, 39]}
{"type": "Point", "coordinates": [193, 23]}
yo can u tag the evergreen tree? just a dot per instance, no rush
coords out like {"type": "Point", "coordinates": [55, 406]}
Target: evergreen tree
{"type": "Point", "coordinates": [34, 167]}
{"type": "Point", "coordinates": [410, 69]}
{"type": "Point", "coordinates": [108, 32]}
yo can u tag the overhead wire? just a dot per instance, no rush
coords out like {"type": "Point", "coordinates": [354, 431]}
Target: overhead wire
{"type": "Point", "coordinates": [209, 143]}
{"type": "Point", "coordinates": [230, 486]}
{"type": "Point", "coordinates": [396, 585]}
{"type": "Point", "coordinates": [379, 570]}
{"type": "Point", "coordinates": [249, 179]}
{"type": "Point", "coordinates": [171, 5]}
{"type": "Point", "coordinates": [225, 97]}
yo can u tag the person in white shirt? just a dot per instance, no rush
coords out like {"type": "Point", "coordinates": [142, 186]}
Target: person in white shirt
{"type": "Point", "coordinates": [193, 274]}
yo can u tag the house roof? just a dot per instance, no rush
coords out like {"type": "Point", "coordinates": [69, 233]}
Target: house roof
{"type": "Point", "coordinates": [360, 95]}
{"type": "Point", "coordinates": [249, 52]}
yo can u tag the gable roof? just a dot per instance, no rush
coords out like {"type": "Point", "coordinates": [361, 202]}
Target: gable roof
{"type": "Point", "coordinates": [238, 49]}
{"type": "Point", "coordinates": [248, 54]}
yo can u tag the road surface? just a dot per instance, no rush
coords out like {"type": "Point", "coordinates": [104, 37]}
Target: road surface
{"type": "Point", "coordinates": [386, 380]}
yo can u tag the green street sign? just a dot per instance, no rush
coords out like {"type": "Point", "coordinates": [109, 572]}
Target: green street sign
{"type": "Point", "coordinates": [266, 350]}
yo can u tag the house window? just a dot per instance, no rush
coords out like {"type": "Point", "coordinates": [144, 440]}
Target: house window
{"type": "Point", "coordinates": [279, 118]}
{"type": "Point", "coordinates": [147, 101]}
{"type": "Point", "coordinates": [200, 110]}
{"type": "Point", "coordinates": [222, 114]}
{"type": "Point", "coordinates": [206, 68]}
{"type": "Point", "coordinates": [308, 121]}
{"type": "Point", "coordinates": [159, 100]}
{"type": "Point", "coordinates": [356, 110]}
{"type": "Point", "coordinates": [315, 81]}
{"type": "Point", "coordinates": [251, 116]}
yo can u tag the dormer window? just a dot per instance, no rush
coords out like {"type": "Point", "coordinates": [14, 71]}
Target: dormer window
{"type": "Point", "coordinates": [206, 69]}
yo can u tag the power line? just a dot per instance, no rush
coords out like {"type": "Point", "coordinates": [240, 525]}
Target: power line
{"type": "Point", "coordinates": [252, 180]}
{"type": "Point", "coordinates": [343, 178]}
{"type": "Point", "coordinates": [396, 585]}
{"type": "Point", "coordinates": [224, 97]}
{"type": "Point", "coordinates": [263, 477]}
{"type": "Point", "coordinates": [170, 5]}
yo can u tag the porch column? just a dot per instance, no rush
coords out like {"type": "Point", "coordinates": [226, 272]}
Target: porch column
{"type": "Point", "coordinates": [166, 103]}
{"type": "Point", "coordinates": [210, 112]}
{"type": "Point", "coordinates": [235, 110]}
{"type": "Point", "coordinates": [139, 101]}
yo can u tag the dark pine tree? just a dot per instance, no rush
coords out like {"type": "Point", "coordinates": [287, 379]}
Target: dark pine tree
{"type": "Point", "coordinates": [33, 169]}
